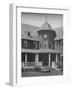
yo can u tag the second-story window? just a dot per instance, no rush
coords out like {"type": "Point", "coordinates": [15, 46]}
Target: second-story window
{"type": "Point", "coordinates": [50, 45]}
{"type": "Point", "coordinates": [25, 43]}
{"type": "Point", "coordinates": [39, 45]}
{"type": "Point", "coordinates": [57, 44]}
{"type": "Point", "coordinates": [35, 45]}
{"type": "Point", "coordinates": [62, 43]}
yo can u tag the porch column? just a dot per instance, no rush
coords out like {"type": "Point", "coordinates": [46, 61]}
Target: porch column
{"type": "Point", "coordinates": [49, 59]}
{"type": "Point", "coordinates": [25, 57]}
{"type": "Point", "coordinates": [36, 58]}
{"type": "Point", "coordinates": [56, 58]}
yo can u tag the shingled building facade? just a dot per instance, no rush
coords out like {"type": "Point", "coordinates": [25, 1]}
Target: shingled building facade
{"type": "Point", "coordinates": [43, 48]}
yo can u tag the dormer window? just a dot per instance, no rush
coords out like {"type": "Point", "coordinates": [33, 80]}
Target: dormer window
{"type": "Point", "coordinates": [28, 33]}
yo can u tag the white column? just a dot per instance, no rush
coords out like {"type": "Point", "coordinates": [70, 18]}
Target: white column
{"type": "Point", "coordinates": [49, 59]}
{"type": "Point", "coordinates": [36, 58]}
{"type": "Point", "coordinates": [25, 57]}
{"type": "Point", "coordinates": [56, 58]}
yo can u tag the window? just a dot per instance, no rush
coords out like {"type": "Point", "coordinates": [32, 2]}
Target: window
{"type": "Point", "coordinates": [62, 43]}
{"type": "Point", "coordinates": [34, 44]}
{"type": "Point", "coordinates": [50, 45]}
{"type": "Point", "coordinates": [28, 33]}
{"type": "Point", "coordinates": [25, 43]}
{"type": "Point", "coordinates": [57, 44]}
{"type": "Point", "coordinates": [39, 45]}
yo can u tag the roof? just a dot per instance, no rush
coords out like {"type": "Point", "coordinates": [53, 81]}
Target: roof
{"type": "Point", "coordinates": [59, 33]}
{"type": "Point", "coordinates": [26, 27]}
{"type": "Point", "coordinates": [33, 34]}
{"type": "Point", "coordinates": [60, 49]}
{"type": "Point", "coordinates": [46, 26]}
{"type": "Point", "coordinates": [28, 38]}
{"type": "Point", "coordinates": [41, 51]}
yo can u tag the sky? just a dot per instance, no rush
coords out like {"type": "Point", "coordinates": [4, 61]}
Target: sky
{"type": "Point", "coordinates": [37, 19]}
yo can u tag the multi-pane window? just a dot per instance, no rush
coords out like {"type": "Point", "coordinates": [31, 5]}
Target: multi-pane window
{"type": "Point", "coordinates": [59, 44]}
{"type": "Point", "coordinates": [39, 45]}
{"type": "Point", "coordinates": [35, 45]}
{"type": "Point", "coordinates": [50, 45]}
{"type": "Point", "coordinates": [30, 44]}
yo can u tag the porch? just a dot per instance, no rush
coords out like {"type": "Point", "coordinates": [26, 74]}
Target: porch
{"type": "Point", "coordinates": [40, 62]}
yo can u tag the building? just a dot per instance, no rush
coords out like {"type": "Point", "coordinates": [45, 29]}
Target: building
{"type": "Point", "coordinates": [58, 44]}
{"type": "Point", "coordinates": [43, 49]}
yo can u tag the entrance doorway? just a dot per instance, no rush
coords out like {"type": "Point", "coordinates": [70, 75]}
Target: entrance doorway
{"type": "Point", "coordinates": [44, 58]}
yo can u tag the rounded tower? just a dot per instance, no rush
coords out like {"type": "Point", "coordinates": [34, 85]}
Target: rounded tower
{"type": "Point", "coordinates": [47, 35]}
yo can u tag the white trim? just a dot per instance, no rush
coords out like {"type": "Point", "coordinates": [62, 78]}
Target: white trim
{"type": "Point", "coordinates": [49, 7]}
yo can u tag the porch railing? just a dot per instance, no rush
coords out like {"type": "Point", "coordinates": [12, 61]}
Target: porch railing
{"type": "Point", "coordinates": [31, 64]}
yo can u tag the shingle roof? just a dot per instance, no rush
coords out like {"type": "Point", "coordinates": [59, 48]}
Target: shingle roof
{"type": "Point", "coordinates": [26, 27]}
{"type": "Point", "coordinates": [29, 38]}
{"type": "Point", "coordinates": [46, 26]}
{"type": "Point", "coordinates": [59, 33]}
